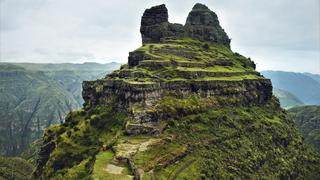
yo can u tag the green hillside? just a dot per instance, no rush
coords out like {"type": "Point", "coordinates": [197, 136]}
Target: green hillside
{"type": "Point", "coordinates": [33, 98]}
{"type": "Point", "coordinates": [184, 107]}
{"type": "Point", "coordinates": [287, 100]}
{"type": "Point", "coordinates": [15, 169]}
{"type": "Point", "coordinates": [307, 119]}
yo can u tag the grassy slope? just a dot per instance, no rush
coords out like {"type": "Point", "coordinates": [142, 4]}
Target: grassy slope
{"type": "Point", "coordinates": [307, 119]}
{"type": "Point", "coordinates": [26, 98]}
{"type": "Point", "coordinates": [14, 168]}
{"type": "Point", "coordinates": [57, 88]}
{"type": "Point", "coordinates": [263, 137]}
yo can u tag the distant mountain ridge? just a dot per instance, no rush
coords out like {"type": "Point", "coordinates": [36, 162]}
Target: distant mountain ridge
{"type": "Point", "coordinates": [287, 100]}
{"type": "Point", "coordinates": [313, 76]}
{"type": "Point", "coordinates": [34, 96]}
{"type": "Point", "coordinates": [86, 66]}
{"type": "Point", "coordinates": [304, 86]}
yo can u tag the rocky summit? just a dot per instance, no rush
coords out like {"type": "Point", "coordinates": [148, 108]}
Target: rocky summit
{"type": "Point", "coordinates": [184, 107]}
{"type": "Point", "coordinates": [201, 24]}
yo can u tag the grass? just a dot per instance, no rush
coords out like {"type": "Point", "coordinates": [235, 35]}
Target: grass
{"type": "Point", "coordinates": [210, 54]}
{"type": "Point", "coordinates": [230, 78]}
{"type": "Point", "coordinates": [158, 155]}
{"type": "Point", "coordinates": [214, 69]}
{"type": "Point", "coordinates": [99, 169]}
{"type": "Point", "coordinates": [141, 81]}
{"type": "Point", "coordinates": [78, 140]}
{"type": "Point", "coordinates": [187, 168]}
{"type": "Point", "coordinates": [14, 168]}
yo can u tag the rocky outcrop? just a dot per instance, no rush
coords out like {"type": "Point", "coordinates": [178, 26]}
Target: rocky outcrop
{"type": "Point", "coordinates": [202, 24]}
{"type": "Point", "coordinates": [154, 24]}
{"type": "Point", "coordinates": [185, 61]}
{"type": "Point", "coordinates": [137, 56]}
{"type": "Point", "coordinates": [249, 92]}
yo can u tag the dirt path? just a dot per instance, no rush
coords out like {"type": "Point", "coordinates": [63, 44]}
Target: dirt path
{"type": "Point", "coordinates": [113, 169]}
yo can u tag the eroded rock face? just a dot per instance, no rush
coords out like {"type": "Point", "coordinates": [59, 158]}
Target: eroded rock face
{"type": "Point", "coordinates": [249, 91]}
{"type": "Point", "coordinates": [154, 24]}
{"type": "Point", "coordinates": [201, 24]}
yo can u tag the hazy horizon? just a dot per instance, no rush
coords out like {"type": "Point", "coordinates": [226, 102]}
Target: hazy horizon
{"type": "Point", "coordinates": [277, 35]}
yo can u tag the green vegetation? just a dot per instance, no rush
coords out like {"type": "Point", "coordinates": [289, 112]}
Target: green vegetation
{"type": "Point", "coordinates": [107, 166]}
{"type": "Point", "coordinates": [34, 96]}
{"type": "Point", "coordinates": [73, 145]}
{"type": "Point", "coordinates": [132, 127]}
{"type": "Point", "coordinates": [182, 59]}
{"type": "Point", "coordinates": [15, 168]}
{"type": "Point", "coordinates": [31, 153]}
{"type": "Point", "coordinates": [307, 120]}
{"type": "Point", "coordinates": [251, 133]}
{"type": "Point", "coordinates": [200, 140]}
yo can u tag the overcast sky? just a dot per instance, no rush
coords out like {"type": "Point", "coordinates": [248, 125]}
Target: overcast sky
{"type": "Point", "coordinates": [276, 34]}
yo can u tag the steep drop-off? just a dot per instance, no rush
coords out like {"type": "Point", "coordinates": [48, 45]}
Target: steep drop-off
{"type": "Point", "coordinates": [185, 106]}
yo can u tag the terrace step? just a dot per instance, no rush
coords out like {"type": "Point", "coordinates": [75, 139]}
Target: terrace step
{"type": "Point", "coordinates": [158, 64]}
{"type": "Point", "coordinates": [143, 128]}
{"type": "Point", "coordinates": [205, 73]}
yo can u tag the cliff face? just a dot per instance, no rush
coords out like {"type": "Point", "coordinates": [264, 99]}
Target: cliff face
{"type": "Point", "coordinates": [185, 106]}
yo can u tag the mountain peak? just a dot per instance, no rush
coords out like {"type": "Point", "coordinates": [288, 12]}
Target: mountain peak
{"type": "Point", "coordinates": [185, 106]}
{"type": "Point", "coordinates": [201, 24]}
{"type": "Point", "coordinates": [200, 6]}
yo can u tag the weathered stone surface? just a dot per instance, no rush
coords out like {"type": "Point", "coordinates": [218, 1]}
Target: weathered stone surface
{"type": "Point", "coordinates": [250, 92]}
{"type": "Point", "coordinates": [143, 128]}
{"type": "Point", "coordinates": [154, 24]}
{"type": "Point", "coordinates": [182, 52]}
{"type": "Point", "coordinates": [137, 56]}
{"type": "Point", "coordinates": [202, 24]}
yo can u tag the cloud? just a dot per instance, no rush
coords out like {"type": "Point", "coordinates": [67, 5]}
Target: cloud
{"type": "Point", "coordinates": [80, 30]}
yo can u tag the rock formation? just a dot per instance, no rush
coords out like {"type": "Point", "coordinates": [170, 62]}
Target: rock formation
{"type": "Point", "coordinates": [201, 24]}
{"type": "Point", "coordinates": [184, 107]}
